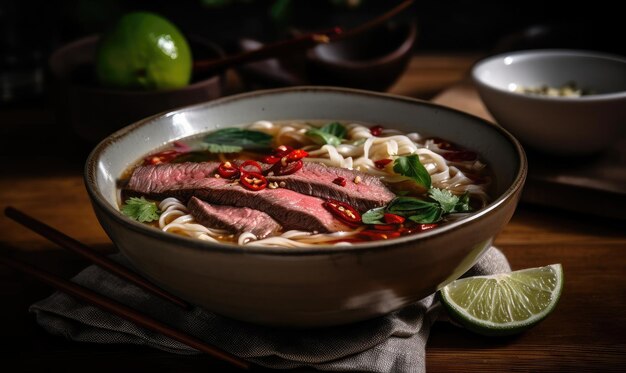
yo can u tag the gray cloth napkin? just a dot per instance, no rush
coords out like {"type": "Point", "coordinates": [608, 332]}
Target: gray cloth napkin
{"type": "Point", "coordinates": [392, 343]}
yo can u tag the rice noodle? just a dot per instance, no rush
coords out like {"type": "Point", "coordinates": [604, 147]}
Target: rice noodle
{"type": "Point", "coordinates": [359, 151]}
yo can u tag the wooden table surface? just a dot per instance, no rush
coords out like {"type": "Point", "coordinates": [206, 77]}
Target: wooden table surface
{"type": "Point", "coordinates": [41, 173]}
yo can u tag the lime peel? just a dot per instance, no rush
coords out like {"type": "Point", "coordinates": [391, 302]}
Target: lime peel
{"type": "Point", "coordinates": [504, 304]}
{"type": "Point", "coordinates": [143, 50]}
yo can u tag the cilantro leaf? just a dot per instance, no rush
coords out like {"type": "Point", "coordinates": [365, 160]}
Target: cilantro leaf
{"type": "Point", "coordinates": [446, 199]}
{"type": "Point", "coordinates": [449, 202]}
{"type": "Point", "coordinates": [410, 166]}
{"type": "Point", "coordinates": [240, 137]}
{"type": "Point", "coordinates": [331, 133]}
{"type": "Point", "coordinates": [141, 210]}
{"type": "Point", "coordinates": [374, 216]}
{"type": "Point", "coordinates": [463, 204]}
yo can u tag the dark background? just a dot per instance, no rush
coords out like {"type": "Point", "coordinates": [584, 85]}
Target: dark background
{"type": "Point", "coordinates": [31, 29]}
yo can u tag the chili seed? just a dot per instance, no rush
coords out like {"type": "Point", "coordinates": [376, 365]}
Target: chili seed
{"type": "Point", "coordinates": [340, 181]}
{"type": "Point", "coordinates": [357, 179]}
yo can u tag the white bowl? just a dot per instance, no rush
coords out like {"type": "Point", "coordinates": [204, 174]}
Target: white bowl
{"type": "Point", "coordinates": [310, 286]}
{"type": "Point", "coordinates": [557, 125]}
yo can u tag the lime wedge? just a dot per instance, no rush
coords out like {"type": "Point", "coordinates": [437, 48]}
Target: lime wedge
{"type": "Point", "coordinates": [506, 303]}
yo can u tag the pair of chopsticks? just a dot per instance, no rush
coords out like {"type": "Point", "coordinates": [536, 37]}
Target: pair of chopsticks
{"type": "Point", "coordinates": [298, 43]}
{"type": "Point", "coordinates": [100, 301]}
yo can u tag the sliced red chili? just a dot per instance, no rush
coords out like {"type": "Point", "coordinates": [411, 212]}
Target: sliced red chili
{"type": "Point", "coordinates": [295, 155]}
{"type": "Point", "coordinates": [376, 130]}
{"type": "Point", "coordinates": [341, 181]}
{"type": "Point", "coordinates": [463, 155]}
{"type": "Point", "coordinates": [227, 170]}
{"type": "Point", "coordinates": [393, 218]}
{"type": "Point", "coordinates": [279, 170]}
{"type": "Point", "coordinates": [253, 181]}
{"type": "Point", "coordinates": [165, 156]}
{"type": "Point", "coordinates": [282, 151]}
{"type": "Point", "coordinates": [343, 212]}
{"type": "Point", "coordinates": [245, 167]}
{"type": "Point", "coordinates": [381, 163]}
{"type": "Point", "coordinates": [270, 159]}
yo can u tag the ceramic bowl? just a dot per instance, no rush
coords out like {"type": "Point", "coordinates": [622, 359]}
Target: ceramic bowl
{"type": "Point", "coordinates": [312, 286]}
{"type": "Point", "coordinates": [556, 125]}
{"type": "Point", "coordinates": [373, 60]}
{"type": "Point", "coordinates": [95, 112]}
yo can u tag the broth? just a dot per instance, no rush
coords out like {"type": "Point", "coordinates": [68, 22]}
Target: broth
{"type": "Point", "coordinates": [297, 183]}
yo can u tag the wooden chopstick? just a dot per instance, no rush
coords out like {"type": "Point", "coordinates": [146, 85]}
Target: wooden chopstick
{"type": "Point", "coordinates": [122, 311]}
{"type": "Point", "coordinates": [376, 21]}
{"type": "Point", "coordinates": [295, 44]}
{"type": "Point", "coordinates": [85, 251]}
{"type": "Point", "coordinates": [268, 51]}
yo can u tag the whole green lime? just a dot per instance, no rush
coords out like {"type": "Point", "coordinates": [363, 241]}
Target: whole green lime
{"type": "Point", "coordinates": [143, 50]}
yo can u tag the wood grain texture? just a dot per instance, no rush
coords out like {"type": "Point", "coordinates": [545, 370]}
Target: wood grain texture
{"type": "Point", "coordinates": [586, 332]}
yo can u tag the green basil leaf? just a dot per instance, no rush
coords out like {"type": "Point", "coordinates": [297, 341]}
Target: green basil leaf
{"type": "Point", "coordinates": [322, 138]}
{"type": "Point", "coordinates": [141, 210]}
{"type": "Point", "coordinates": [244, 138]}
{"type": "Point", "coordinates": [410, 166]}
{"type": "Point", "coordinates": [446, 199]}
{"type": "Point", "coordinates": [427, 216]}
{"type": "Point", "coordinates": [406, 206]}
{"type": "Point", "coordinates": [336, 129]}
{"type": "Point", "coordinates": [374, 216]}
{"type": "Point", "coordinates": [415, 209]}
{"type": "Point", "coordinates": [222, 148]}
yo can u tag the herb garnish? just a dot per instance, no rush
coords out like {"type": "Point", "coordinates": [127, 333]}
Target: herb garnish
{"type": "Point", "coordinates": [141, 210]}
{"type": "Point", "coordinates": [332, 134]}
{"type": "Point", "coordinates": [374, 216]}
{"type": "Point", "coordinates": [233, 140]}
{"type": "Point", "coordinates": [440, 203]}
{"type": "Point", "coordinates": [410, 166]}
{"type": "Point", "coordinates": [419, 210]}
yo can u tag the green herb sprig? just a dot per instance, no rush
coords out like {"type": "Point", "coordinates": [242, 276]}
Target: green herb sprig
{"type": "Point", "coordinates": [410, 166]}
{"type": "Point", "coordinates": [441, 203]}
{"type": "Point", "coordinates": [141, 210]}
{"type": "Point", "coordinates": [332, 134]}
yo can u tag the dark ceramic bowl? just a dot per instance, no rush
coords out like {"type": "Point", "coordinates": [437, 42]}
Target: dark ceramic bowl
{"type": "Point", "coordinates": [311, 286]}
{"type": "Point", "coordinates": [94, 112]}
{"type": "Point", "coordinates": [372, 60]}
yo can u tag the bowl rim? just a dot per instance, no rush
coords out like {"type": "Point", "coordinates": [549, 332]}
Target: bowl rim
{"type": "Point", "coordinates": [542, 54]}
{"type": "Point", "coordinates": [97, 198]}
